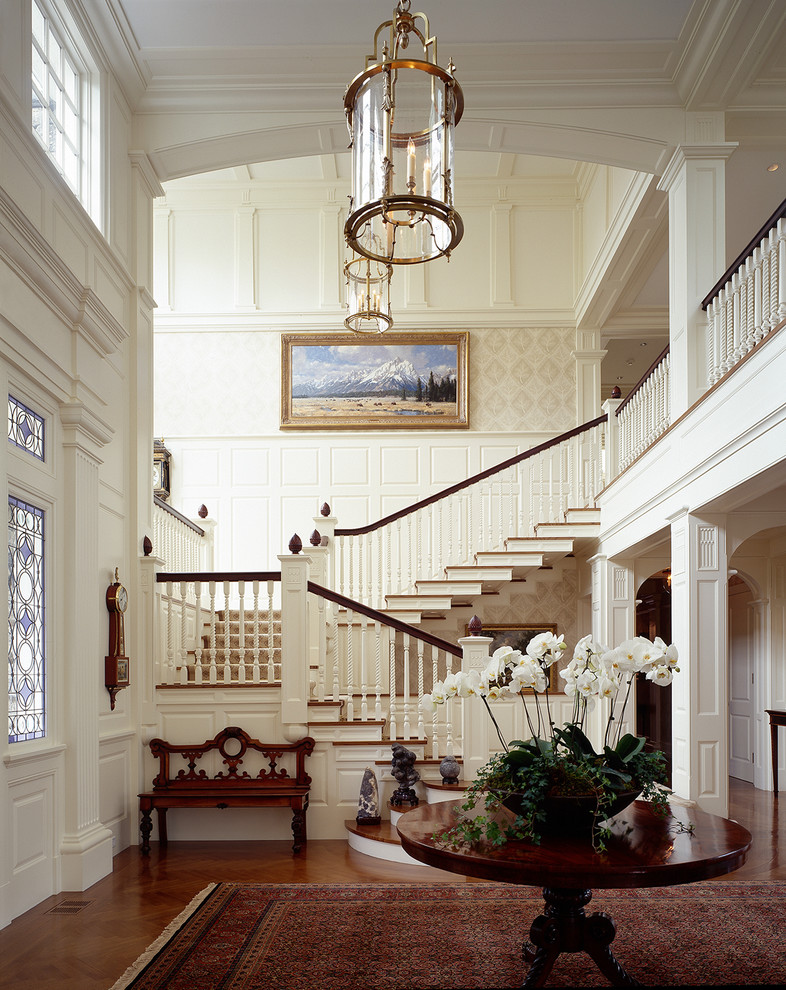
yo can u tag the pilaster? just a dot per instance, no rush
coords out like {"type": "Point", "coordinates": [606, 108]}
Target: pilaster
{"type": "Point", "coordinates": [695, 183]}
{"type": "Point", "coordinates": [476, 723]}
{"type": "Point", "coordinates": [699, 620]}
{"type": "Point", "coordinates": [86, 847]}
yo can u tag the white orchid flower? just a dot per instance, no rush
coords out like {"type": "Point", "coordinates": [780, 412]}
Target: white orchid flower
{"type": "Point", "coordinates": [662, 675]}
{"type": "Point", "coordinates": [428, 704]}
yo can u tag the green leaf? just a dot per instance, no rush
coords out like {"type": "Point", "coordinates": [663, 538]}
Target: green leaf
{"type": "Point", "coordinates": [629, 746]}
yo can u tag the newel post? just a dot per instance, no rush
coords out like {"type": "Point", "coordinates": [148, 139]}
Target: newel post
{"type": "Point", "coordinates": [613, 459]}
{"type": "Point", "coordinates": [294, 640]}
{"type": "Point", "coordinates": [476, 723]}
{"type": "Point", "coordinates": [325, 525]}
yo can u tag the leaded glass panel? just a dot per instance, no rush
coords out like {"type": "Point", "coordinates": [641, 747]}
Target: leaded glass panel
{"type": "Point", "coordinates": [26, 628]}
{"type": "Point", "coordinates": [25, 428]}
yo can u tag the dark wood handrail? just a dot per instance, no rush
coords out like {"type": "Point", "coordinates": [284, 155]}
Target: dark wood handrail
{"type": "Point", "coordinates": [481, 476]}
{"type": "Point", "coordinates": [386, 620]}
{"type": "Point", "coordinates": [643, 378]}
{"type": "Point", "coordinates": [206, 576]}
{"type": "Point", "coordinates": [178, 515]}
{"type": "Point", "coordinates": [745, 253]}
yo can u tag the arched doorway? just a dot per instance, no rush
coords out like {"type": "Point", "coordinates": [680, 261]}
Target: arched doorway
{"type": "Point", "coordinates": [653, 703]}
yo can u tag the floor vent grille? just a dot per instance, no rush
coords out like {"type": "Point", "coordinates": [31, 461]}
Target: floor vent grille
{"type": "Point", "coordinates": [68, 907]}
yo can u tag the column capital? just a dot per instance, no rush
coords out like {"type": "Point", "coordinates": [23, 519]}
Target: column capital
{"type": "Point", "coordinates": [693, 152]}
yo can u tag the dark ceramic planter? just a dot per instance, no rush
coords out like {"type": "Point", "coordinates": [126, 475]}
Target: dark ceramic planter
{"type": "Point", "coordinates": [574, 814]}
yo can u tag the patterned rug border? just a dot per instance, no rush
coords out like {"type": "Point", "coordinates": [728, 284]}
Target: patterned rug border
{"type": "Point", "coordinates": [448, 890]}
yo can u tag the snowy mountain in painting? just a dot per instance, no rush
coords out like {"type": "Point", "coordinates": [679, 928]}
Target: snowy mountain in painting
{"type": "Point", "coordinates": [389, 378]}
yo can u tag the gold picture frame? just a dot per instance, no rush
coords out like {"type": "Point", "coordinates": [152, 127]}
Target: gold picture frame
{"type": "Point", "coordinates": [518, 637]}
{"type": "Point", "coordinates": [398, 380]}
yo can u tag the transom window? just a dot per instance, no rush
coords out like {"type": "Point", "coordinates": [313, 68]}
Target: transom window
{"type": "Point", "coordinates": [25, 428]}
{"type": "Point", "coordinates": [26, 625]}
{"type": "Point", "coordinates": [65, 99]}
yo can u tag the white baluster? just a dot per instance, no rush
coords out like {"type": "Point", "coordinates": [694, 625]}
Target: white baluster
{"type": "Point", "coordinates": [405, 690]}
{"type": "Point", "coordinates": [213, 677]}
{"type": "Point", "coordinates": [170, 637]}
{"type": "Point", "coordinates": [435, 716]}
{"type": "Point", "coordinates": [241, 643]}
{"type": "Point", "coordinates": [758, 332]}
{"type": "Point", "coordinates": [399, 556]}
{"type": "Point", "coordinates": [256, 675]}
{"type": "Point", "coordinates": [227, 637]}
{"type": "Point", "coordinates": [388, 566]}
{"type": "Point", "coordinates": [766, 279]}
{"type": "Point", "coordinates": [378, 671]}
{"type": "Point", "coordinates": [421, 690]}
{"type": "Point", "coordinates": [271, 638]}
{"type": "Point", "coordinates": [393, 713]}
{"type": "Point", "coordinates": [198, 633]}
{"type": "Point", "coordinates": [336, 690]}
{"type": "Point", "coordinates": [183, 635]}
{"type": "Point", "coordinates": [781, 269]}
{"type": "Point", "coordinates": [350, 669]}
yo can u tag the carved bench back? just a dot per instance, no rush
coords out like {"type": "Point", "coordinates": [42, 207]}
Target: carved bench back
{"type": "Point", "coordinates": [233, 745]}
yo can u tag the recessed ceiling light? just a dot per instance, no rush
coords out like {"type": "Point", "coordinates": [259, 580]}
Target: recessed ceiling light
{"type": "Point", "coordinates": [773, 168]}
{"type": "Point", "coordinates": [619, 378]}
{"type": "Point", "coordinates": [643, 343]}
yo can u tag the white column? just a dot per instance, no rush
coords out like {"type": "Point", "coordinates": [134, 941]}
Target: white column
{"type": "Point", "coordinates": [588, 356]}
{"type": "Point", "coordinates": [476, 724]}
{"type": "Point", "coordinates": [294, 644]}
{"type": "Point", "coordinates": [695, 182]}
{"type": "Point", "coordinates": [699, 619]}
{"type": "Point", "coordinates": [613, 621]}
{"type": "Point", "coordinates": [86, 847]}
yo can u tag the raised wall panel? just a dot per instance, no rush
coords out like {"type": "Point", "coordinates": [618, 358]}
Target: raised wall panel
{"type": "Point", "coordinates": [449, 465]}
{"type": "Point", "coordinates": [251, 548]}
{"type": "Point", "coordinates": [351, 510]}
{"type": "Point", "coordinates": [250, 466]}
{"type": "Point", "coordinates": [543, 279]}
{"type": "Point", "coordinates": [489, 456]}
{"type": "Point", "coordinates": [463, 282]}
{"type": "Point", "coordinates": [349, 466]}
{"type": "Point", "coordinates": [399, 465]}
{"type": "Point", "coordinates": [200, 468]}
{"type": "Point", "coordinates": [289, 245]}
{"type": "Point", "coordinates": [203, 278]}
{"type": "Point", "coordinates": [114, 786]}
{"type": "Point", "coordinates": [70, 244]}
{"type": "Point", "coordinates": [300, 467]}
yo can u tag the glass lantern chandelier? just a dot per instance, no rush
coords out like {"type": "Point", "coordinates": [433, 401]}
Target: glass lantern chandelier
{"type": "Point", "coordinates": [401, 113]}
{"type": "Point", "coordinates": [368, 295]}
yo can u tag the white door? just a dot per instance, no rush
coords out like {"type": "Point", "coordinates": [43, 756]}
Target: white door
{"type": "Point", "coordinates": [741, 674]}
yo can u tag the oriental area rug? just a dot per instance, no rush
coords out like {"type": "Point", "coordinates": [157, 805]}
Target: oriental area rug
{"type": "Point", "coordinates": [463, 935]}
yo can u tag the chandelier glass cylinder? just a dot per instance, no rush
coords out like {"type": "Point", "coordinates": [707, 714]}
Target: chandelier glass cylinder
{"type": "Point", "coordinates": [402, 112]}
{"type": "Point", "coordinates": [368, 295]}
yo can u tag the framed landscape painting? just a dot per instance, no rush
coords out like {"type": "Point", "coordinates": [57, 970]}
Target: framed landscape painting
{"type": "Point", "coordinates": [518, 637]}
{"type": "Point", "coordinates": [341, 381]}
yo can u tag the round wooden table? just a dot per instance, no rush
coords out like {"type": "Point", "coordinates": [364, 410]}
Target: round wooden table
{"type": "Point", "coordinates": [645, 850]}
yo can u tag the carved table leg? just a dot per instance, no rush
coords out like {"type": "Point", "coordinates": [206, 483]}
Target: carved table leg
{"type": "Point", "coordinates": [565, 927]}
{"type": "Point", "coordinates": [146, 827]}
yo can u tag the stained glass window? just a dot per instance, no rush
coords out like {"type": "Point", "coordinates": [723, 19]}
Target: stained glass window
{"type": "Point", "coordinates": [25, 428]}
{"type": "Point", "coordinates": [26, 629]}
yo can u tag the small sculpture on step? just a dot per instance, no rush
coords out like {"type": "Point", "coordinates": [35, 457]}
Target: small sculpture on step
{"type": "Point", "coordinates": [368, 802]}
{"type": "Point", "coordinates": [449, 770]}
{"type": "Point", "coordinates": [403, 767]}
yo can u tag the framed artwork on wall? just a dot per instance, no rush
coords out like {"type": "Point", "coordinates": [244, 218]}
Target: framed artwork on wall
{"type": "Point", "coordinates": [341, 381]}
{"type": "Point", "coordinates": [518, 637]}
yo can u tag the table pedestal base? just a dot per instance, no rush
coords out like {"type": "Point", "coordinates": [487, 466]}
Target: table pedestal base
{"type": "Point", "coordinates": [565, 927]}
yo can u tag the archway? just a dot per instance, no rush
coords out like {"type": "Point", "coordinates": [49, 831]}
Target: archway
{"type": "Point", "coordinates": [653, 702]}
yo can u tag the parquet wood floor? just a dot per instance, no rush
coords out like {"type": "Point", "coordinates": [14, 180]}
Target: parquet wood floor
{"type": "Point", "coordinates": [126, 911]}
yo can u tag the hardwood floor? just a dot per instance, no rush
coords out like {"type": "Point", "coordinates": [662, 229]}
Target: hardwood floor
{"type": "Point", "coordinates": [84, 941]}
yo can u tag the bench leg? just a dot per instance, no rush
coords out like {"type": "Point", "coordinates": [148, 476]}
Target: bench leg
{"type": "Point", "coordinates": [162, 838]}
{"type": "Point", "coordinates": [298, 828]}
{"type": "Point", "coordinates": [146, 827]}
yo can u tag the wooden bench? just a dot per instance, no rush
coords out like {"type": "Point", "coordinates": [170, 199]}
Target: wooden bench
{"type": "Point", "coordinates": [193, 787]}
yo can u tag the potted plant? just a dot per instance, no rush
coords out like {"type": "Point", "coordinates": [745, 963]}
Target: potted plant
{"type": "Point", "coordinates": [557, 780]}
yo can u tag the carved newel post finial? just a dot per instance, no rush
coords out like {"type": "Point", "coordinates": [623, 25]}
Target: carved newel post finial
{"type": "Point", "coordinates": [202, 510]}
{"type": "Point", "coordinates": [315, 539]}
{"type": "Point", "coordinates": [616, 392]}
{"type": "Point", "coordinates": [147, 546]}
{"type": "Point", "coordinates": [295, 544]}
{"type": "Point", "coordinates": [325, 510]}
{"type": "Point", "coordinates": [475, 626]}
